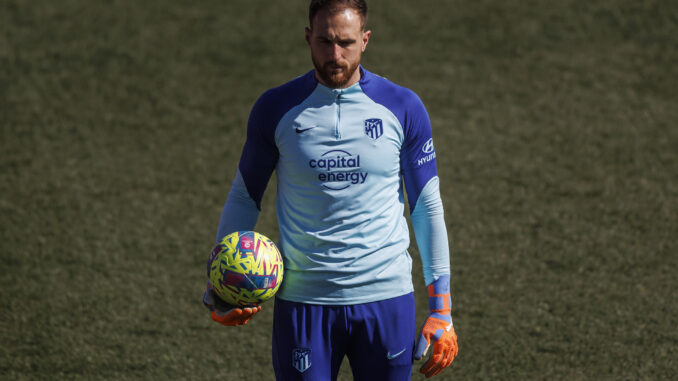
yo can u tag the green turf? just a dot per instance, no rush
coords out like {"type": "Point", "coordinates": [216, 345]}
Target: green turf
{"type": "Point", "coordinates": [556, 128]}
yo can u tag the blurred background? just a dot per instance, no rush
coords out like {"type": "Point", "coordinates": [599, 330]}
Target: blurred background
{"type": "Point", "coordinates": [556, 128]}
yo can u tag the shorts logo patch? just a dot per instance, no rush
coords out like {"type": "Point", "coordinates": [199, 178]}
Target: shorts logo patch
{"type": "Point", "coordinates": [392, 356]}
{"type": "Point", "coordinates": [301, 359]}
{"type": "Point", "coordinates": [374, 128]}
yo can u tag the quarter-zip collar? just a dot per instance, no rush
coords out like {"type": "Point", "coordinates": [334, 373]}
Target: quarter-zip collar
{"type": "Point", "coordinates": [348, 92]}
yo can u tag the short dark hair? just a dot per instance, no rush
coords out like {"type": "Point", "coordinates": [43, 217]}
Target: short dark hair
{"type": "Point", "coordinates": [334, 6]}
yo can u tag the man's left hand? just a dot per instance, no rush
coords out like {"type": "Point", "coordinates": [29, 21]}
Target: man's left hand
{"type": "Point", "coordinates": [438, 330]}
{"type": "Point", "coordinates": [227, 314]}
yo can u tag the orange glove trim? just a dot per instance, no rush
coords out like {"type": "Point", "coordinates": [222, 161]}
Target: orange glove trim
{"type": "Point", "coordinates": [445, 300]}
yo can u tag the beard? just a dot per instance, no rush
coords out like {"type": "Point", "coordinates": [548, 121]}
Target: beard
{"type": "Point", "coordinates": [330, 76]}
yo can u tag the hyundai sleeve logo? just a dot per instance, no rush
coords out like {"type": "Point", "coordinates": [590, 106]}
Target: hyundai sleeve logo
{"type": "Point", "coordinates": [428, 147]}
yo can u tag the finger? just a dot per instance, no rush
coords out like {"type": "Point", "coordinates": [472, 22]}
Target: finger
{"type": "Point", "coordinates": [432, 371]}
{"type": "Point", "coordinates": [251, 311]}
{"type": "Point", "coordinates": [435, 370]}
{"type": "Point", "coordinates": [454, 350]}
{"type": "Point", "coordinates": [244, 319]}
{"type": "Point", "coordinates": [443, 357]}
{"type": "Point", "coordinates": [421, 348]}
{"type": "Point", "coordinates": [248, 313]}
{"type": "Point", "coordinates": [237, 313]}
{"type": "Point", "coordinates": [231, 318]}
{"type": "Point", "coordinates": [220, 316]}
{"type": "Point", "coordinates": [225, 310]}
{"type": "Point", "coordinates": [440, 366]}
{"type": "Point", "coordinates": [208, 298]}
{"type": "Point", "coordinates": [432, 362]}
{"type": "Point", "coordinates": [437, 367]}
{"type": "Point", "coordinates": [229, 315]}
{"type": "Point", "coordinates": [255, 309]}
{"type": "Point", "coordinates": [216, 317]}
{"type": "Point", "coordinates": [448, 359]}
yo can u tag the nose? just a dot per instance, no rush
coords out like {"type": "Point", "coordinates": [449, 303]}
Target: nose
{"type": "Point", "coordinates": [336, 51]}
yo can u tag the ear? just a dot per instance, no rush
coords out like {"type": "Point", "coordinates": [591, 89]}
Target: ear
{"type": "Point", "coordinates": [366, 39]}
{"type": "Point", "coordinates": [307, 31]}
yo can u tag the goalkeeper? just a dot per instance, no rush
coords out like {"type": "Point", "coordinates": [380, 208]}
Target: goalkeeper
{"type": "Point", "coordinates": [346, 145]}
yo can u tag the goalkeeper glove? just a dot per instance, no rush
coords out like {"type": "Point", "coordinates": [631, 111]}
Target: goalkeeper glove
{"type": "Point", "coordinates": [225, 313]}
{"type": "Point", "coordinates": [437, 328]}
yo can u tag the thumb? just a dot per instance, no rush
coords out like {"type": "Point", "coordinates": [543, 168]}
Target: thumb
{"type": "Point", "coordinates": [233, 311]}
{"type": "Point", "coordinates": [421, 347]}
{"type": "Point", "coordinates": [208, 298]}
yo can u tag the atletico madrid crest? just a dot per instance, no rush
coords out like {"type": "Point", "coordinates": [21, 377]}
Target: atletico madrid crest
{"type": "Point", "coordinates": [374, 128]}
{"type": "Point", "coordinates": [301, 359]}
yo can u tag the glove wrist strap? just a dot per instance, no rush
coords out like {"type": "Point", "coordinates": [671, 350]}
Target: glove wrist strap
{"type": "Point", "coordinates": [439, 299]}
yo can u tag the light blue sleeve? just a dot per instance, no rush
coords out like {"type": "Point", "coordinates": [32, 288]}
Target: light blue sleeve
{"type": "Point", "coordinates": [431, 233]}
{"type": "Point", "coordinates": [240, 210]}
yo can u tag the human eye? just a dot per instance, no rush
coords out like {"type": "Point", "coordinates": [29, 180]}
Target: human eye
{"type": "Point", "coordinates": [346, 43]}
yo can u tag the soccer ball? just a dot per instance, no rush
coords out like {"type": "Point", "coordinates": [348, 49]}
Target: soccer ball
{"type": "Point", "coordinates": [245, 268]}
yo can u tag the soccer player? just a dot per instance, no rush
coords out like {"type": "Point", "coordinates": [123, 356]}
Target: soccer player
{"type": "Point", "coordinates": [345, 145]}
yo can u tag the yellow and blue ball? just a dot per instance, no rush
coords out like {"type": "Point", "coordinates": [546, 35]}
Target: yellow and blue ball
{"type": "Point", "coordinates": [245, 268]}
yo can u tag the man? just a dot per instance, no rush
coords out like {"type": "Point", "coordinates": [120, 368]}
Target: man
{"type": "Point", "coordinates": [342, 142]}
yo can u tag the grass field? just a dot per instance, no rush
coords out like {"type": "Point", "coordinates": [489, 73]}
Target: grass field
{"type": "Point", "coordinates": [556, 126]}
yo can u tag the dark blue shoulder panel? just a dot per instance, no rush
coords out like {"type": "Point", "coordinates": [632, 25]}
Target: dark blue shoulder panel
{"type": "Point", "coordinates": [260, 153]}
{"type": "Point", "coordinates": [417, 157]}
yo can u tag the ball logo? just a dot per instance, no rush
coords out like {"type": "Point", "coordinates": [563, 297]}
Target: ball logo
{"type": "Point", "coordinates": [246, 242]}
{"type": "Point", "coordinates": [339, 169]}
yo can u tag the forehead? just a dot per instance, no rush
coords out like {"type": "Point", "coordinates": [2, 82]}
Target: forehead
{"type": "Point", "coordinates": [344, 21]}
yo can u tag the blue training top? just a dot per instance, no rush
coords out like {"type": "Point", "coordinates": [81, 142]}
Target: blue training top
{"type": "Point", "coordinates": [341, 156]}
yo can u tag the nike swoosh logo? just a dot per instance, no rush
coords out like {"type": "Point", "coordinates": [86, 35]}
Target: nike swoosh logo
{"type": "Point", "coordinates": [448, 328]}
{"type": "Point", "coordinates": [392, 356]}
{"type": "Point", "coordinates": [300, 130]}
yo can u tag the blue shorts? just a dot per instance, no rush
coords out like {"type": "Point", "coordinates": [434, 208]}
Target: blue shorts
{"type": "Point", "coordinates": [311, 340]}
